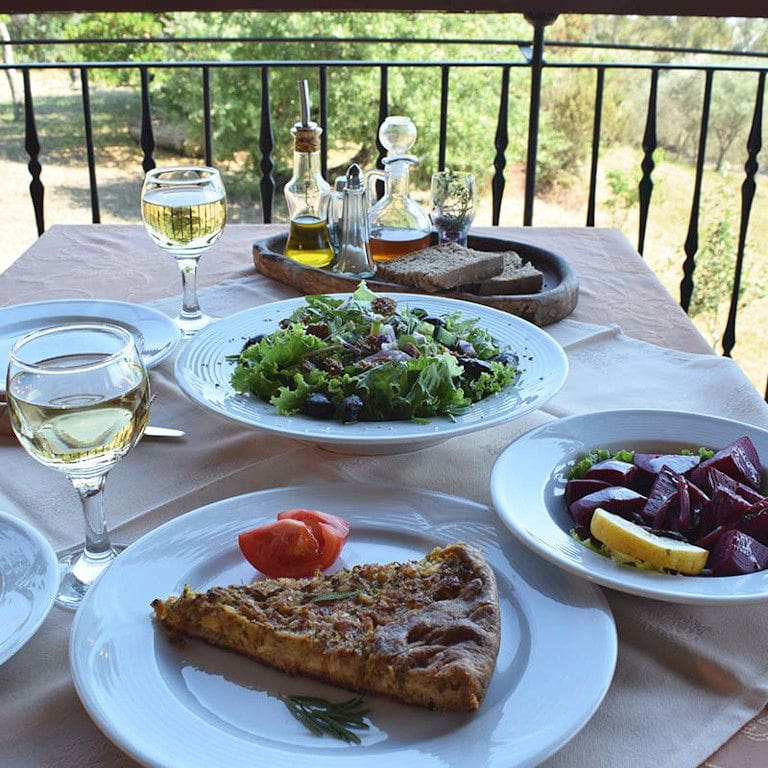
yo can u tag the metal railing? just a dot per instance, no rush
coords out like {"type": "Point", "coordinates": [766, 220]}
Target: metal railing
{"type": "Point", "coordinates": [528, 55]}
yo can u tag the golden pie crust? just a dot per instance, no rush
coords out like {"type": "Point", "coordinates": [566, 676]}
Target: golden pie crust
{"type": "Point", "coordinates": [424, 632]}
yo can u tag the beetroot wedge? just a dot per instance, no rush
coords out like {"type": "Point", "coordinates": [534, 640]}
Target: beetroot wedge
{"type": "Point", "coordinates": [577, 488]}
{"type": "Point", "coordinates": [653, 462]}
{"type": "Point", "coordinates": [617, 499]}
{"type": "Point", "coordinates": [612, 471]}
{"type": "Point", "coordinates": [738, 460]}
{"type": "Point", "coordinates": [717, 479]}
{"type": "Point", "coordinates": [735, 553]}
{"type": "Point", "coordinates": [755, 522]}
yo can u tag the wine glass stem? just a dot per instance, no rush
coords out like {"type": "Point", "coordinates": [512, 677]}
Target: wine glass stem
{"type": "Point", "coordinates": [190, 307]}
{"type": "Point", "coordinates": [98, 547]}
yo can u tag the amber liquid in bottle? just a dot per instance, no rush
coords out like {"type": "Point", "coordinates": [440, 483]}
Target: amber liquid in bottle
{"type": "Point", "coordinates": [308, 242]}
{"type": "Point", "coordinates": [388, 244]}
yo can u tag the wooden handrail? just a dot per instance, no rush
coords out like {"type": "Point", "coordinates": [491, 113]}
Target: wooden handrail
{"type": "Point", "coordinates": [724, 8]}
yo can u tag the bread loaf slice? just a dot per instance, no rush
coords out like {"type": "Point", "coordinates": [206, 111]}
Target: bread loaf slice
{"type": "Point", "coordinates": [441, 267]}
{"type": "Point", "coordinates": [516, 278]}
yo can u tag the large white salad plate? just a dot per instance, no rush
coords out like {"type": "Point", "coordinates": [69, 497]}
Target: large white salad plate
{"type": "Point", "coordinates": [29, 579]}
{"type": "Point", "coordinates": [194, 705]}
{"type": "Point", "coordinates": [528, 487]}
{"type": "Point", "coordinates": [156, 334]}
{"type": "Point", "coordinates": [203, 371]}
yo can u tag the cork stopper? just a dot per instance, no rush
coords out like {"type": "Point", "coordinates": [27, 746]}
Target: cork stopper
{"type": "Point", "coordinates": [306, 138]}
{"type": "Point", "coordinates": [306, 134]}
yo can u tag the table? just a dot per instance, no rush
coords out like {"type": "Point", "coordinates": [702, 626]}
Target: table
{"type": "Point", "coordinates": [44, 723]}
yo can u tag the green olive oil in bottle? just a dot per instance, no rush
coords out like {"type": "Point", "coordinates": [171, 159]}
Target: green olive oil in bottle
{"type": "Point", "coordinates": [307, 194]}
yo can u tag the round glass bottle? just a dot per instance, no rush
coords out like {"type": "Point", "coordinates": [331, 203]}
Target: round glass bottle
{"type": "Point", "coordinates": [397, 223]}
{"type": "Point", "coordinates": [307, 194]}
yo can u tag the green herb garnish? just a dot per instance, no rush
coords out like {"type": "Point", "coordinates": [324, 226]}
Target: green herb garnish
{"type": "Point", "coordinates": [327, 596]}
{"type": "Point", "coordinates": [334, 718]}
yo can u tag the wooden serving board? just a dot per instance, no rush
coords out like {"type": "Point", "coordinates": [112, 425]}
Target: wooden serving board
{"type": "Point", "coordinates": [556, 300]}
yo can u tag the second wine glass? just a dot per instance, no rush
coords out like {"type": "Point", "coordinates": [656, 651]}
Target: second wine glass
{"type": "Point", "coordinates": [78, 397]}
{"type": "Point", "coordinates": [184, 210]}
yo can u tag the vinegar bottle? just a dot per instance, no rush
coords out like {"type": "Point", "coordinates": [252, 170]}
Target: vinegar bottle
{"type": "Point", "coordinates": [397, 223]}
{"type": "Point", "coordinates": [307, 193]}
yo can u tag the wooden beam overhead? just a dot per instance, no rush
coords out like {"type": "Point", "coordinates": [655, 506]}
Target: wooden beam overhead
{"type": "Point", "coordinates": [723, 8]}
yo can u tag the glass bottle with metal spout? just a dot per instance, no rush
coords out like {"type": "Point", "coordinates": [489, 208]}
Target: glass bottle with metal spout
{"type": "Point", "coordinates": [354, 259]}
{"type": "Point", "coordinates": [397, 223]}
{"type": "Point", "coordinates": [307, 193]}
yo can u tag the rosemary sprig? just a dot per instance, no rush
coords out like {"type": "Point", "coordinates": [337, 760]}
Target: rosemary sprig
{"type": "Point", "coordinates": [334, 718]}
{"type": "Point", "coordinates": [327, 596]}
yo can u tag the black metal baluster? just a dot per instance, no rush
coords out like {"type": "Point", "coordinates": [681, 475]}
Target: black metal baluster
{"type": "Point", "coordinates": [443, 141]}
{"type": "Point", "coordinates": [32, 145]}
{"type": "Point", "coordinates": [596, 128]}
{"type": "Point", "coordinates": [501, 141]}
{"type": "Point", "coordinates": [534, 110]}
{"type": "Point", "coordinates": [383, 112]}
{"type": "Point", "coordinates": [539, 21]}
{"type": "Point", "coordinates": [324, 121]}
{"type": "Point", "coordinates": [649, 146]}
{"type": "Point", "coordinates": [692, 239]}
{"type": "Point", "coordinates": [754, 144]}
{"type": "Point", "coordinates": [95, 213]}
{"type": "Point", "coordinates": [266, 145]}
{"type": "Point", "coordinates": [147, 134]}
{"type": "Point", "coordinates": [207, 120]}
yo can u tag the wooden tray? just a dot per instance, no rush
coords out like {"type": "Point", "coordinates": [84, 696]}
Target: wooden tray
{"type": "Point", "coordinates": [556, 299]}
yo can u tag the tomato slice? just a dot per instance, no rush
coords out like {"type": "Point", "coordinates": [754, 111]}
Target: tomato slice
{"type": "Point", "coordinates": [283, 548]}
{"type": "Point", "coordinates": [306, 515]}
{"type": "Point", "coordinates": [330, 530]}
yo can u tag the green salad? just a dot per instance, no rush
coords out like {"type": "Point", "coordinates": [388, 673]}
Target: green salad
{"type": "Point", "coordinates": [363, 358]}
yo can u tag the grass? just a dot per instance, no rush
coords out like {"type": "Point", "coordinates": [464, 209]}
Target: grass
{"type": "Point", "coordinates": [119, 172]}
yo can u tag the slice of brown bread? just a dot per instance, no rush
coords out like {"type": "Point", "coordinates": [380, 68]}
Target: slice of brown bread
{"type": "Point", "coordinates": [517, 277]}
{"type": "Point", "coordinates": [441, 267]}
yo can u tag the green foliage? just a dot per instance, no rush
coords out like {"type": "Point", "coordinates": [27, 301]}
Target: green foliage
{"type": "Point", "coordinates": [714, 275]}
{"type": "Point", "coordinates": [625, 195]}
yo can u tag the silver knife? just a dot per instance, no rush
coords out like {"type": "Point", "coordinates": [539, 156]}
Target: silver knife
{"type": "Point", "coordinates": [164, 432]}
{"type": "Point", "coordinates": [150, 431]}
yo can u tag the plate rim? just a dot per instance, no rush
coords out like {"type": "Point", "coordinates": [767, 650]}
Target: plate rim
{"type": "Point", "coordinates": [590, 593]}
{"type": "Point", "coordinates": [154, 313]}
{"type": "Point", "coordinates": [45, 596]}
{"type": "Point", "coordinates": [454, 429]}
{"type": "Point", "coordinates": [609, 574]}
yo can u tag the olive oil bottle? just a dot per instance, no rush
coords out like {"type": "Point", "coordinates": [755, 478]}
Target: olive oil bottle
{"type": "Point", "coordinates": [307, 193]}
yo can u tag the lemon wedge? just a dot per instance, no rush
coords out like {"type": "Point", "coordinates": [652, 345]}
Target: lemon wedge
{"type": "Point", "coordinates": [629, 539]}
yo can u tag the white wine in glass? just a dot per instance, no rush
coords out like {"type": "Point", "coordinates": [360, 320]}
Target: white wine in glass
{"type": "Point", "coordinates": [78, 397]}
{"type": "Point", "coordinates": [184, 210]}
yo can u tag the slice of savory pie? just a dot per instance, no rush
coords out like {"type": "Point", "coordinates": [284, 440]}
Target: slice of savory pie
{"type": "Point", "coordinates": [424, 632]}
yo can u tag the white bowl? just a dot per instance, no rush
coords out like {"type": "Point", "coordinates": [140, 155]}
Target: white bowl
{"type": "Point", "coordinates": [528, 486]}
{"type": "Point", "coordinates": [203, 372]}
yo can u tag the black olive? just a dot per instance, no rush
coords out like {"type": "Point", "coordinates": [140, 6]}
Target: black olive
{"type": "Point", "coordinates": [318, 406]}
{"type": "Point", "coordinates": [253, 340]}
{"type": "Point", "coordinates": [507, 358]}
{"type": "Point", "coordinates": [474, 367]}
{"type": "Point", "coordinates": [350, 409]}
{"type": "Point", "coordinates": [438, 322]}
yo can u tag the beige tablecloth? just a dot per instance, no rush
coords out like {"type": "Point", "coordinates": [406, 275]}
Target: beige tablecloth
{"type": "Point", "coordinates": [687, 678]}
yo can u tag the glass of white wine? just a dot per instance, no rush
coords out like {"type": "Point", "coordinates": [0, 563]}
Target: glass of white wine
{"type": "Point", "coordinates": [78, 397]}
{"type": "Point", "coordinates": [184, 210]}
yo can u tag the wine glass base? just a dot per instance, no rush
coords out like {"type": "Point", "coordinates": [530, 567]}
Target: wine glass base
{"type": "Point", "coordinates": [191, 325]}
{"type": "Point", "coordinates": [76, 576]}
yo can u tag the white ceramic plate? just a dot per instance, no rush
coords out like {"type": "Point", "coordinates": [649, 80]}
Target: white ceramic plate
{"type": "Point", "coordinates": [528, 486]}
{"type": "Point", "coordinates": [29, 579]}
{"type": "Point", "coordinates": [203, 372]}
{"type": "Point", "coordinates": [201, 706]}
{"type": "Point", "coordinates": [156, 334]}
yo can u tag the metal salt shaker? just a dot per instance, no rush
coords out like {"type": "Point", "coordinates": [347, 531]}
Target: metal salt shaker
{"type": "Point", "coordinates": [335, 212]}
{"type": "Point", "coordinates": [354, 257]}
